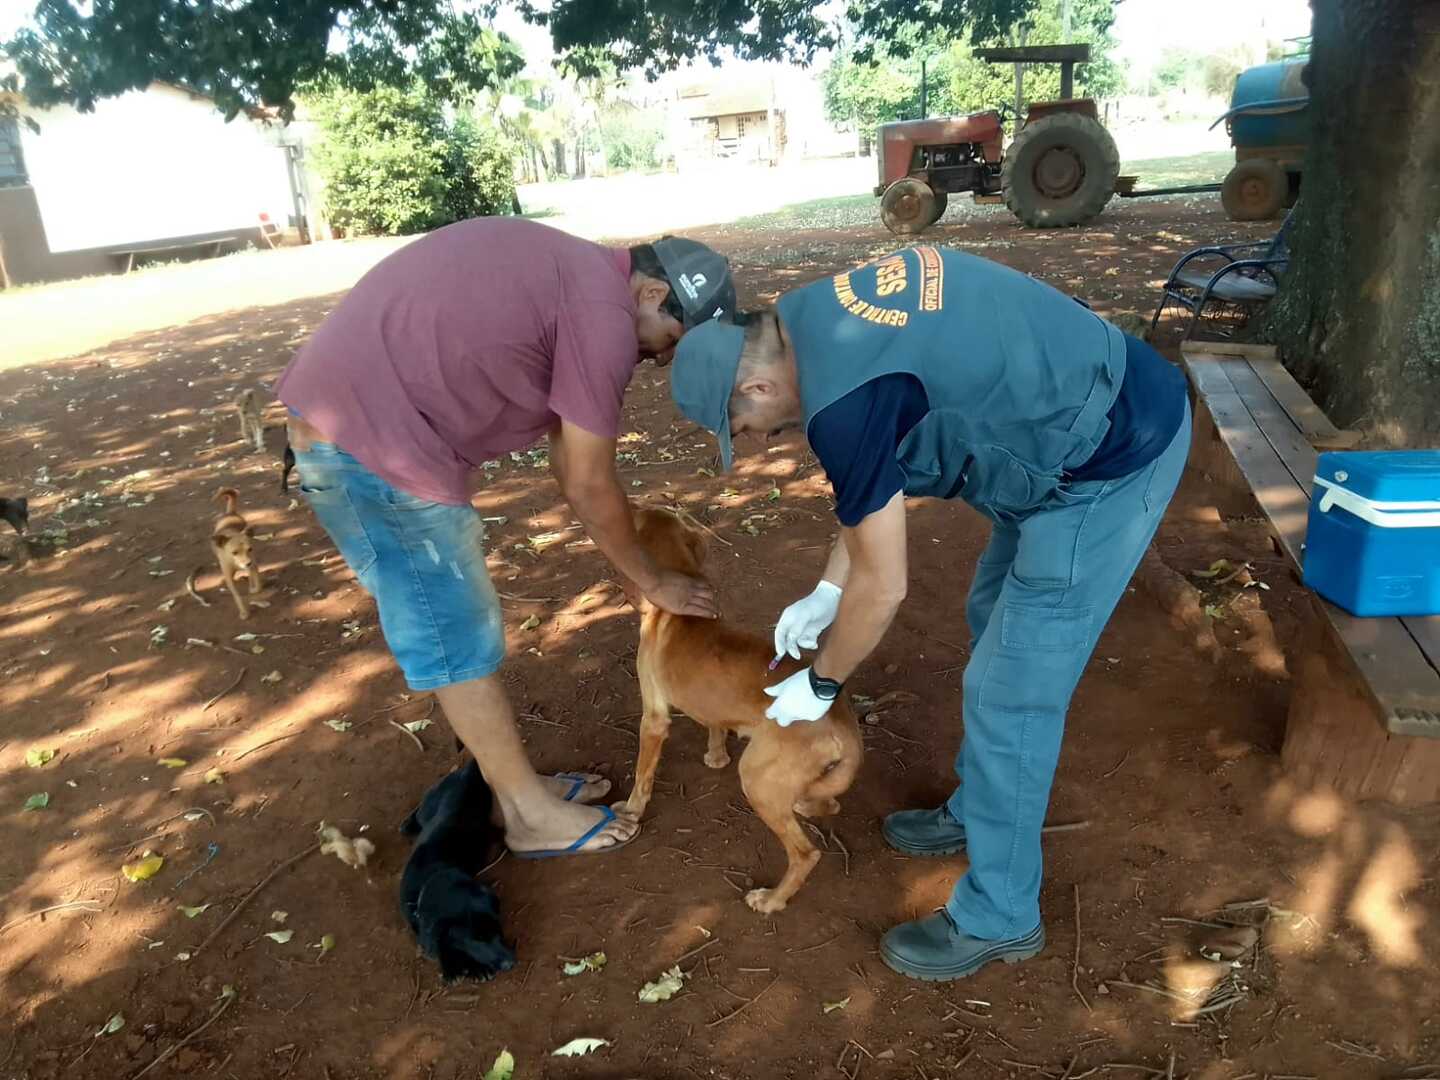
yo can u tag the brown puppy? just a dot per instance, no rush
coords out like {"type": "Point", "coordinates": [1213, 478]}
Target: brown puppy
{"type": "Point", "coordinates": [252, 418]}
{"type": "Point", "coordinates": [231, 540]}
{"type": "Point", "coordinates": [716, 674]}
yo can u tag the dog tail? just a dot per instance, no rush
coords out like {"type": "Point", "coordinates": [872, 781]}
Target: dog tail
{"type": "Point", "coordinates": [842, 754]}
{"type": "Point", "coordinates": [231, 497]}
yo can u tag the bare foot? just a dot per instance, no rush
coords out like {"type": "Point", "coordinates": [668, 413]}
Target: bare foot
{"type": "Point", "coordinates": [555, 824]}
{"type": "Point", "coordinates": [594, 788]}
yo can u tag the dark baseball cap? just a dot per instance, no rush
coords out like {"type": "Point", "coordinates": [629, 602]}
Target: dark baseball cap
{"type": "Point", "coordinates": [699, 277]}
{"type": "Point", "coordinates": [702, 378]}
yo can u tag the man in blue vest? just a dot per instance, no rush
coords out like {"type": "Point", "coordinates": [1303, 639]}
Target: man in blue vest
{"type": "Point", "coordinates": [933, 372]}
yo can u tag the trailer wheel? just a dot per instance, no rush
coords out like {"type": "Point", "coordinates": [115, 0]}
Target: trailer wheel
{"type": "Point", "coordinates": [1059, 170]}
{"type": "Point", "coordinates": [908, 206]}
{"type": "Point", "coordinates": [941, 201]}
{"type": "Point", "coordinates": [1254, 190]}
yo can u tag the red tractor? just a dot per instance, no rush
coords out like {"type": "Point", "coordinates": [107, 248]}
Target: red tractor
{"type": "Point", "coordinates": [1060, 168]}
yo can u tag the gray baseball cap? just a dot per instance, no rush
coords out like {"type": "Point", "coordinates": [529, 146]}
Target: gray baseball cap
{"type": "Point", "coordinates": [699, 277]}
{"type": "Point", "coordinates": [702, 378]}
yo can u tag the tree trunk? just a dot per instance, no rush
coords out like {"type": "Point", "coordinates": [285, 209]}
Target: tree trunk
{"type": "Point", "coordinates": [1358, 316]}
{"type": "Point", "coordinates": [559, 159]}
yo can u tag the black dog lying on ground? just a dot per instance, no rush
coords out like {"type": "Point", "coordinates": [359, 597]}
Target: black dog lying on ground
{"type": "Point", "coordinates": [16, 512]}
{"type": "Point", "coordinates": [455, 917]}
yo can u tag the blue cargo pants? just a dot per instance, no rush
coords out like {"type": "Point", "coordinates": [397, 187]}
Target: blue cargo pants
{"type": "Point", "coordinates": [1044, 589]}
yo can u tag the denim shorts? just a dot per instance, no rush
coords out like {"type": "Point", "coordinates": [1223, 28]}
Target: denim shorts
{"type": "Point", "coordinates": [422, 561]}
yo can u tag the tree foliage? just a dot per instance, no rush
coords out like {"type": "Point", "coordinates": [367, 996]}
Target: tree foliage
{"type": "Point", "coordinates": [393, 163]}
{"type": "Point", "coordinates": [632, 138]}
{"type": "Point", "coordinates": [872, 92]}
{"type": "Point", "coordinates": [977, 84]}
{"type": "Point", "coordinates": [869, 93]}
{"type": "Point", "coordinates": [249, 53]}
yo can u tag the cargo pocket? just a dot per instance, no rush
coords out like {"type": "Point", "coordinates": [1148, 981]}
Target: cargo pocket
{"type": "Point", "coordinates": [1038, 661]}
{"type": "Point", "coordinates": [1045, 629]}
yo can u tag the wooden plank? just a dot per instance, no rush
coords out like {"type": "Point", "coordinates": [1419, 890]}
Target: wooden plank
{"type": "Point", "coordinates": [1327, 741]}
{"type": "Point", "coordinates": [1247, 349]}
{"type": "Point", "coordinates": [1401, 680]}
{"type": "Point", "coordinates": [1035, 54]}
{"type": "Point", "coordinates": [1279, 430]}
{"type": "Point", "coordinates": [1313, 423]}
{"type": "Point", "coordinates": [1284, 501]}
{"type": "Point", "coordinates": [1426, 632]}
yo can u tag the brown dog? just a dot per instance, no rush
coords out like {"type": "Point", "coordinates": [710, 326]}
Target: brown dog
{"type": "Point", "coordinates": [717, 675]}
{"type": "Point", "coordinates": [252, 419]}
{"type": "Point", "coordinates": [231, 540]}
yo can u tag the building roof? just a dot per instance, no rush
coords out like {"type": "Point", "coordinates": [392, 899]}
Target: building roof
{"type": "Point", "coordinates": [726, 101]}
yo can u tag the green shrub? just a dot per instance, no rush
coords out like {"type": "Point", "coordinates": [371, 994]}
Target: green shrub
{"type": "Point", "coordinates": [393, 163]}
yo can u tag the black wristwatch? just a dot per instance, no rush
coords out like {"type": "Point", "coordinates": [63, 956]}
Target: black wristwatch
{"type": "Point", "coordinates": [824, 689]}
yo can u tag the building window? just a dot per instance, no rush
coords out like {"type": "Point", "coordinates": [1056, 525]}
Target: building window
{"type": "Point", "coordinates": [12, 164]}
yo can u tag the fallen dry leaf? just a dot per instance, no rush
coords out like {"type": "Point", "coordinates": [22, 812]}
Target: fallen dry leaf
{"type": "Point", "coordinates": [353, 853]}
{"type": "Point", "coordinates": [144, 868]}
{"type": "Point", "coordinates": [579, 1047]}
{"type": "Point", "coordinates": [663, 988]}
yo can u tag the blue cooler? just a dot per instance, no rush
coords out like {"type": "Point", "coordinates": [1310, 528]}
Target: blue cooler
{"type": "Point", "coordinates": [1374, 542]}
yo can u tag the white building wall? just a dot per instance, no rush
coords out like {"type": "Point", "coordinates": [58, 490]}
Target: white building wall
{"type": "Point", "coordinates": [150, 166]}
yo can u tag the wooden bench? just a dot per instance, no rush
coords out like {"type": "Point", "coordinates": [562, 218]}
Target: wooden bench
{"type": "Point", "coordinates": [1364, 714]}
{"type": "Point", "coordinates": [126, 256]}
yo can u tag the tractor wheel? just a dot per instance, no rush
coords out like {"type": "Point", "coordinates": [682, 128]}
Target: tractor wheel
{"type": "Point", "coordinates": [1059, 170]}
{"type": "Point", "coordinates": [941, 201]}
{"type": "Point", "coordinates": [908, 206]}
{"type": "Point", "coordinates": [1254, 190]}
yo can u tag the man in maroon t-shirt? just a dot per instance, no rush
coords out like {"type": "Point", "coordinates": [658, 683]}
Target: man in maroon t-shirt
{"type": "Point", "coordinates": [473, 341]}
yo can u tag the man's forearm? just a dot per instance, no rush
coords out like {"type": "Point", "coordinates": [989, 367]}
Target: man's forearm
{"type": "Point", "coordinates": [837, 567]}
{"type": "Point", "coordinates": [867, 609]}
{"type": "Point", "coordinates": [606, 514]}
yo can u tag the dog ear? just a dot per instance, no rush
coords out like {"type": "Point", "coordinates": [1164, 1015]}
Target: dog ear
{"type": "Point", "coordinates": [631, 591]}
{"type": "Point", "coordinates": [697, 544]}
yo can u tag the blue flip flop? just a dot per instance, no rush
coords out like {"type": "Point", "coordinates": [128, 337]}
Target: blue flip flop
{"type": "Point", "coordinates": [579, 783]}
{"type": "Point", "coordinates": [606, 817]}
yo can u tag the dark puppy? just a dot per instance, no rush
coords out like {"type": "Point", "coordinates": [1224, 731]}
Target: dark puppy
{"type": "Point", "coordinates": [455, 917]}
{"type": "Point", "coordinates": [16, 512]}
{"type": "Point", "coordinates": [287, 463]}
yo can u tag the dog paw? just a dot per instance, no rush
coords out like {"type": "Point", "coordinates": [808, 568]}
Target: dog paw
{"type": "Point", "coordinates": [717, 760]}
{"type": "Point", "coordinates": [627, 809]}
{"type": "Point", "coordinates": [764, 901]}
{"type": "Point", "coordinates": [813, 808]}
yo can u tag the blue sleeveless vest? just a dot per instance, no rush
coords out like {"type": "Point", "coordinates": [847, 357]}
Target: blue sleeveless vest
{"type": "Point", "coordinates": [1020, 378]}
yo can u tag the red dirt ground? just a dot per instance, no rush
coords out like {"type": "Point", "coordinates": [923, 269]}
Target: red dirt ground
{"type": "Point", "coordinates": [1171, 765]}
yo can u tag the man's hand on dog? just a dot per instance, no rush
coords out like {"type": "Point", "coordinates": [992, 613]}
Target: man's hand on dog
{"type": "Point", "coordinates": [681, 594]}
{"type": "Point", "coordinates": [795, 699]}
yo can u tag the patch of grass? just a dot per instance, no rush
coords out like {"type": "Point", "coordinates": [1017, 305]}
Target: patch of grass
{"type": "Point", "coordinates": [1207, 168]}
{"type": "Point", "coordinates": [842, 211]}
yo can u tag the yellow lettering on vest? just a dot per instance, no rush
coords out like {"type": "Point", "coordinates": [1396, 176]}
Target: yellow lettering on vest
{"type": "Point", "coordinates": [932, 279]}
{"type": "Point", "coordinates": [890, 276]}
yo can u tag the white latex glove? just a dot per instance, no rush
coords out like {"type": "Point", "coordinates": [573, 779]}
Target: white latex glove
{"type": "Point", "coordinates": [802, 623]}
{"type": "Point", "coordinates": [794, 700]}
